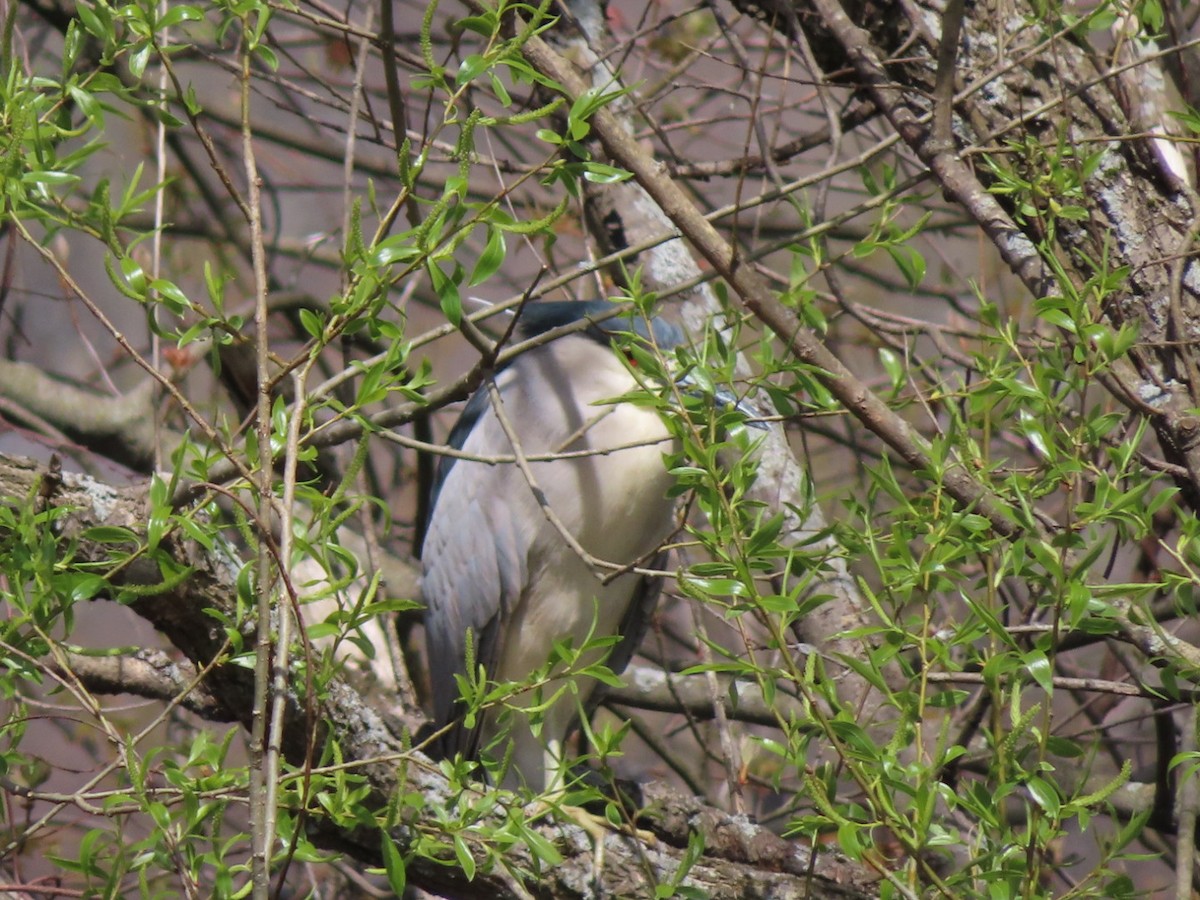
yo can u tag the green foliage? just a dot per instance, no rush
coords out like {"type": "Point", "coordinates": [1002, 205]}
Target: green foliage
{"type": "Point", "coordinates": [53, 126]}
{"type": "Point", "coordinates": [963, 779]}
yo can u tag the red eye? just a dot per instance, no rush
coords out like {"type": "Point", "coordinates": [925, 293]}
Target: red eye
{"type": "Point", "coordinates": [631, 358]}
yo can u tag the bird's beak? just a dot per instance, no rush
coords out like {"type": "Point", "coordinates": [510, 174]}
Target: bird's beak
{"type": "Point", "coordinates": [751, 415]}
{"type": "Point", "coordinates": [723, 399]}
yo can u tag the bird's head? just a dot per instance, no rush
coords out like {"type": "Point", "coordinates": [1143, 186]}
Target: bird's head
{"type": "Point", "coordinates": [649, 344]}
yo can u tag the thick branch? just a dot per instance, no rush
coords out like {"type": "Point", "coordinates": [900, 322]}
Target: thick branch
{"type": "Point", "coordinates": [122, 425]}
{"type": "Point", "coordinates": [151, 674]}
{"type": "Point", "coordinates": [654, 689]}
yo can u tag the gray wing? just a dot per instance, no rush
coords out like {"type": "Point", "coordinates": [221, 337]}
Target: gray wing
{"type": "Point", "coordinates": [474, 566]}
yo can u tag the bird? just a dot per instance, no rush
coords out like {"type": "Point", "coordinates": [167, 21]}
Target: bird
{"type": "Point", "coordinates": [509, 555]}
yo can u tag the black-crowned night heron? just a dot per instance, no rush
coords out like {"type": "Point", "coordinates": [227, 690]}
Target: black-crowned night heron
{"type": "Point", "coordinates": [497, 563]}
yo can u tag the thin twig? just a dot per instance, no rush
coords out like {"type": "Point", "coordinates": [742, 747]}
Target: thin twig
{"type": "Point", "coordinates": [1187, 804]}
{"type": "Point", "coordinates": [264, 759]}
{"type": "Point", "coordinates": [943, 92]}
{"type": "Point", "coordinates": [539, 495]}
{"type": "Point", "coordinates": [731, 758]}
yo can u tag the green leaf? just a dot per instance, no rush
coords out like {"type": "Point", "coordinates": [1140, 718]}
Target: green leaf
{"type": "Point", "coordinates": [448, 296]}
{"type": "Point", "coordinates": [599, 173]}
{"type": "Point", "coordinates": [110, 534]}
{"type": "Point", "coordinates": [84, 586]}
{"type": "Point", "coordinates": [1044, 794]}
{"type": "Point", "coordinates": [177, 13]}
{"type": "Point", "coordinates": [893, 367]}
{"type": "Point", "coordinates": [311, 323]}
{"type": "Point", "coordinates": [398, 248]}
{"type": "Point", "coordinates": [1037, 664]}
{"type": "Point", "coordinates": [541, 848]}
{"type": "Point", "coordinates": [91, 21]}
{"type": "Point", "coordinates": [171, 296]}
{"type": "Point", "coordinates": [138, 60]}
{"type": "Point", "coordinates": [393, 864]}
{"type": "Point", "coordinates": [49, 177]}
{"type": "Point", "coordinates": [491, 259]}
{"type": "Point", "coordinates": [466, 861]}
{"type": "Point", "coordinates": [500, 90]}
{"type": "Point", "coordinates": [470, 68]}
{"type": "Point", "coordinates": [910, 263]}
{"type": "Point", "coordinates": [267, 55]}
